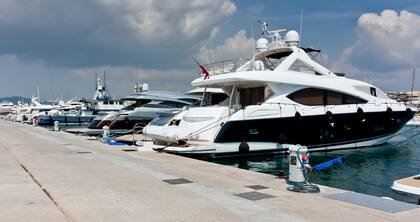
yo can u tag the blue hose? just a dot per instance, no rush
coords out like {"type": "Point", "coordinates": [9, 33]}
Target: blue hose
{"type": "Point", "coordinates": [329, 163]}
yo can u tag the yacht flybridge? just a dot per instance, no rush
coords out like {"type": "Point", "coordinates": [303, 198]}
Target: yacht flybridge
{"type": "Point", "coordinates": [281, 97]}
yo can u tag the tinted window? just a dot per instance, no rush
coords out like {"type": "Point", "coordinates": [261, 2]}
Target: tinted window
{"type": "Point", "coordinates": [333, 98]}
{"type": "Point", "coordinates": [251, 96]}
{"type": "Point", "coordinates": [319, 97]}
{"type": "Point", "coordinates": [136, 103]}
{"type": "Point", "coordinates": [309, 97]}
{"type": "Point", "coordinates": [192, 101]}
{"type": "Point", "coordinates": [173, 104]}
{"type": "Point", "coordinates": [352, 100]}
{"type": "Point", "coordinates": [372, 91]}
{"type": "Point", "coordinates": [218, 98]}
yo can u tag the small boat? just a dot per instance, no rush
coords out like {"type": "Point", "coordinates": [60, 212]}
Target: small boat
{"type": "Point", "coordinates": [415, 121]}
{"type": "Point", "coordinates": [409, 185]}
{"type": "Point", "coordinates": [6, 107]}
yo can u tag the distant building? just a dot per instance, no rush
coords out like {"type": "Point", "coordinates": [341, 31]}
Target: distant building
{"type": "Point", "coordinates": [406, 97]}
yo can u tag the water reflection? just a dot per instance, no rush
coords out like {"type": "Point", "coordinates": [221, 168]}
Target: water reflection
{"type": "Point", "coordinates": [371, 170]}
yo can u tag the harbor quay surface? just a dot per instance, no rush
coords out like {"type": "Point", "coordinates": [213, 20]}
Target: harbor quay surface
{"type": "Point", "coordinates": [57, 176]}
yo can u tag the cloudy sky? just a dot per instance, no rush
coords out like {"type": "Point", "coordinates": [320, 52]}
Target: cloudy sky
{"type": "Point", "coordinates": [60, 44]}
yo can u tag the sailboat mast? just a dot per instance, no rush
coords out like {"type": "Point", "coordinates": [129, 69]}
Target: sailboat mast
{"type": "Point", "coordinates": [104, 79]}
{"type": "Point", "coordinates": [96, 80]}
{"type": "Point", "coordinates": [412, 85]}
{"type": "Point", "coordinates": [37, 89]}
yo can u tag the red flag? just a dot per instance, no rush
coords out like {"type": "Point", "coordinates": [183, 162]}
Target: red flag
{"type": "Point", "coordinates": [203, 69]}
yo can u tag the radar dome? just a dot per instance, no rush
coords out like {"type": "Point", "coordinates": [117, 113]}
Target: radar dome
{"type": "Point", "coordinates": [261, 45]}
{"type": "Point", "coordinates": [292, 38]}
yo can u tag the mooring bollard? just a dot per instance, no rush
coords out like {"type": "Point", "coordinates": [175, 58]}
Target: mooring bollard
{"type": "Point", "coordinates": [105, 134]}
{"type": "Point", "coordinates": [56, 126]}
{"type": "Point", "coordinates": [299, 170]}
{"type": "Point", "coordinates": [35, 122]}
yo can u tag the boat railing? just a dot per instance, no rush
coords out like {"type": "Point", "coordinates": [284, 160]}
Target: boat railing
{"type": "Point", "coordinates": [225, 66]}
{"type": "Point", "coordinates": [330, 107]}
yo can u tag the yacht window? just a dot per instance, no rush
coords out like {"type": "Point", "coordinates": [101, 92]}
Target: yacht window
{"type": "Point", "coordinates": [333, 98]}
{"type": "Point", "coordinates": [192, 101]}
{"type": "Point", "coordinates": [273, 60]}
{"type": "Point", "coordinates": [132, 104]}
{"type": "Point", "coordinates": [309, 97]}
{"type": "Point", "coordinates": [319, 97]}
{"type": "Point", "coordinates": [373, 91]}
{"type": "Point", "coordinates": [218, 98]}
{"type": "Point", "coordinates": [251, 96]}
{"type": "Point", "coordinates": [347, 99]}
{"type": "Point", "coordinates": [279, 55]}
{"type": "Point", "coordinates": [173, 104]}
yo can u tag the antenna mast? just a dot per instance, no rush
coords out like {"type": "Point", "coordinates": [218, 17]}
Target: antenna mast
{"type": "Point", "coordinates": [412, 85]}
{"type": "Point", "coordinates": [104, 80]}
{"type": "Point", "coordinates": [253, 42]}
{"type": "Point", "coordinates": [300, 27]}
{"type": "Point", "coordinates": [96, 80]}
{"type": "Point", "coordinates": [37, 89]}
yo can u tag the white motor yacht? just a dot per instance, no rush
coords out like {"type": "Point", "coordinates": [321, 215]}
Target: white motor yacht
{"type": "Point", "coordinates": [6, 107]}
{"type": "Point", "coordinates": [281, 97]}
{"type": "Point", "coordinates": [147, 105]}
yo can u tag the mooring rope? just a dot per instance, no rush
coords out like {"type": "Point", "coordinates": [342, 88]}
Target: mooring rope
{"type": "Point", "coordinates": [197, 132]}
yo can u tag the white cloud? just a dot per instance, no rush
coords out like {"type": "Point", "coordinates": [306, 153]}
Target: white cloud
{"type": "Point", "coordinates": [388, 45]}
{"type": "Point", "coordinates": [157, 20]}
{"type": "Point", "coordinates": [388, 41]}
{"type": "Point", "coordinates": [60, 44]}
{"type": "Point", "coordinates": [83, 33]}
{"type": "Point", "coordinates": [237, 46]}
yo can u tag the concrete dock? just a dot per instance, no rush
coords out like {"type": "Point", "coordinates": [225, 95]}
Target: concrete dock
{"type": "Point", "coordinates": [57, 176]}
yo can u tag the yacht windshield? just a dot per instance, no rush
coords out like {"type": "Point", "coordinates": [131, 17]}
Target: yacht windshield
{"type": "Point", "coordinates": [162, 120]}
{"type": "Point", "coordinates": [273, 60]}
{"type": "Point", "coordinates": [132, 104]}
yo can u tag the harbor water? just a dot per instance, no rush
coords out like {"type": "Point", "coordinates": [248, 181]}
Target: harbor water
{"type": "Point", "coordinates": [367, 170]}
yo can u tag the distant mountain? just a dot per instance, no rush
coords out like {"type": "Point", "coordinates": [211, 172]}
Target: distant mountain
{"type": "Point", "coordinates": [15, 99]}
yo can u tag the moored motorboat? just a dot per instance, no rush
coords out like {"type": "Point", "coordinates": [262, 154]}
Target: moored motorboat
{"type": "Point", "coordinates": [409, 185]}
{"type": "Point", "coordinates": [281, 97]}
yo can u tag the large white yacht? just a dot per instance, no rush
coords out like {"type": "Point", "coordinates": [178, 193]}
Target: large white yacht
{"type": "Point", "coordinates": [280, 97]}
{"type": "Point", "coordinates": [147, 105]}
{"type": "Point", "coordinates": [6, 107]}
{"type": "Point", "coordinates": [102, 102]}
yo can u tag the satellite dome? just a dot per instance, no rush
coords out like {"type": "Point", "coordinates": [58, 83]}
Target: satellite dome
{"type": "Point", "coordinates": [261, 45]}
{"type": "Point", "coordinates": [292, 38]}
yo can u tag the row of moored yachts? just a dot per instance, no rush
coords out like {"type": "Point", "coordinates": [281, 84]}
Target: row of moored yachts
{"type": "Point", "coordinates": [282, 96]}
